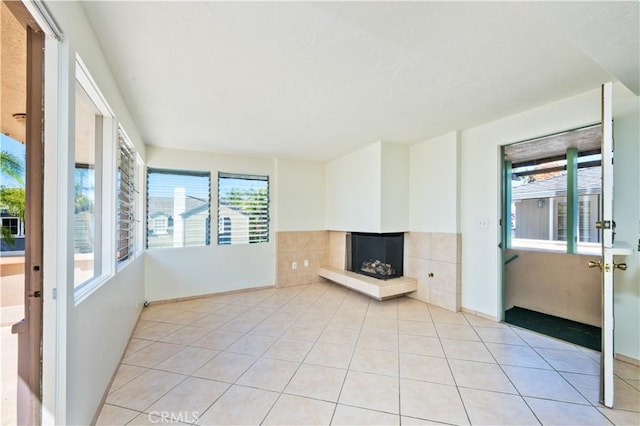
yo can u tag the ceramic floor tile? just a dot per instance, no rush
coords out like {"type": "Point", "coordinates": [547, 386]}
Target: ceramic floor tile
{"type": "Point", "coordinates": [289, 350]}
{"type": "Point", "coordinates": [269, 374]}
{"type": "Point", "coordinates": [152, 354]}
{"type": "Point", "coordinates": [380, 325]}
{"type": "Point", "coordinates": [347, 416]}
{"type": "Point", "coordinates": [491, 408]}
{"type": "Point", "coordinates": [185, 336]}
{"type": "Point", "coordinates": [125, 374]}
{"type": "Point", "coordinates": [211, 321]}
{"type": "Point", "coordinates": [232, 407]}
{"type": "Point", "coordinates": [136, 344]}
{"type": "Point", "coordinates": [417, 328]}
{"type": "Point", "coordinates": [432, 401]}
{"type": "Point", "coordinates": [624, 370]}
{"type": "Point", "coordinates": [475, 320]}
{"type": "Point", "coordinates": [443, 316]}
{"type": "Point", "coordinates": [240, 324]}
{"type": "Point", "coordinates": [381, 341]}
{"type": "Point", "coordinates": [157, 331]}
{"type": "Point", "coordinates": [543, 384]}
{"type": "Point", "coordinates": [295, 410]}
{"type": "Point", "coordinates": [347, 320]}
{"type": "Point", "coordinates": [330, 355]}
{"type": "Point", "coordinates": [162, 418]}
{"type": "Point", "coordinates": [634, 383]}
{"type": "Point", "coordinates": [536, 340]}
{"type": "Point", "coordinates": [271, 328]}
{"type": "Point", "coordinates": [587, 385]}
{"type": "Point", "coordinates": [570, 361]}
{"type": "Point", "coordinates": [503, 335]}
{"type": "Point", "coordinates": [457, 332]}
{"type": "Point", "coordinates": [562, 413]}
{"type": "Point", "coordinates": [519, 356]}
{"type": "Point", "coordinates": [159, 313]}
{"type": "Point", "coordinates": [479, 375]}
{"type": "Point", "coordinates": [217, 339]}
{"type": "Point", "coordinates": [112, 415]}
{"type": "Point", "coordinates": [339, 335]}
{"type": "Point", "coordinates": [307, 332]}
{"type": "Point", "coordinates": [421, 345]}
{"type": "Point", "coordinates": [225, 367]}
{"type": "Point", "coordinates": [316, 381]}
{"type": "Point", "coordinates": [144, 390]}
{"type": "Point", "coordinates": [412, 421]}
{"type": "Point", "coordinates": [371, 391]}
{"type": "Point", "coordinates": [625, 396]}
{"type": "Point", "coordinates": [187, 360]}
{"type": "Point", "coordinates": [620, 417]}
{"type": "Point", "coordinates": [375, 361]}
{"type": "Point", "coordinates": [466, 350]}
{"type": "Point", "coordinates": [187, 317]}
{"type": "Point", "coordinates": [425, 368]}
{"type": "Point", "coordinates": [251, 344]}
{"type": "Point", "coordinates": [193, 396]}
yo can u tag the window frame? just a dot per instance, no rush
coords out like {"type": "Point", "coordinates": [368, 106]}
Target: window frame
{"type": "Point", "coordinates": [105, 208]}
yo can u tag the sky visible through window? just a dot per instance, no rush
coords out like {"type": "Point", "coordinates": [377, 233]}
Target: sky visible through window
{"type": "Point", "coordinates": [14, 147]}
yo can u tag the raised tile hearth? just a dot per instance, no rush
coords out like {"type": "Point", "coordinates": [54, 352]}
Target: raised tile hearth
{"type": "Point", "coordinates": [372, 287]}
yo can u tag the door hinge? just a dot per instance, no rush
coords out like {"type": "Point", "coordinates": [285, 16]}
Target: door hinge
{"type": "Point", "coordinates": [604, 224]}
{"type": "Point", "coordinates": [54, 293]}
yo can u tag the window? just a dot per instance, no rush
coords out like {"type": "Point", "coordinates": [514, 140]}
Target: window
{"type": "Point", "coordinates": [126, 220]}
{"type": "Point", "coordinates": [87, 242]}
{"type": "Point", "coordinates": [14, 226]}
{"type": "Point", "coordinates": [243, 209]}
{"type": "Point", "coordinates": [541, 172]}
{"type": "Point", "coordinates": [94, 160]}
{"type": "Point", "coordinates": [178, 208]}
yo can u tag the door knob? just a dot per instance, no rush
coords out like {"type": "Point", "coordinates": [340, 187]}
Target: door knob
{"type": "Point", "coordinates": [594, 264]}
{"type": "Point", "coordinates": [621, 266]}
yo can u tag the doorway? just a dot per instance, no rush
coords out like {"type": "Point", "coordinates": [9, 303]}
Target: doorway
{"type": "Point", "coordinates": [550, 208]}
{"type": "Point", "coordinates": [21, 210]}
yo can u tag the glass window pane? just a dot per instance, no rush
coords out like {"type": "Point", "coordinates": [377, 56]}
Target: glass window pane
{"type": "Point", "coordinates": [86, 225]}
{"type": "Point", "coordinates": [243, 209]}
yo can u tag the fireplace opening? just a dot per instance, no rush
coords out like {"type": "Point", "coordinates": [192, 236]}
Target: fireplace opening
{"type": "Point", "coordinates": [376, 255]}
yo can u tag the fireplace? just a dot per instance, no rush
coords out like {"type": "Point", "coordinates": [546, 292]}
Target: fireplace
{"type": "Point", "coordinates": [376, 255]}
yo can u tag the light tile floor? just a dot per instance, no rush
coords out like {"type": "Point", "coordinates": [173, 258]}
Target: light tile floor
{"type": "Point", "coordinates": [321, 354]}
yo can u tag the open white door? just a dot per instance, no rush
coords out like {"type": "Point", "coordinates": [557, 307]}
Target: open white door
{"type": "Point", "coordinates": [607, 225]}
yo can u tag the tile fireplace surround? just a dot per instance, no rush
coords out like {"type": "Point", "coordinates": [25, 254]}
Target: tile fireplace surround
{"type": "Point", "coordinates": [434, 259]}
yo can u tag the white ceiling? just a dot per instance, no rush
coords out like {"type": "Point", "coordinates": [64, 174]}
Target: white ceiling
{"type": "Point", "coordinates": [316, 80]}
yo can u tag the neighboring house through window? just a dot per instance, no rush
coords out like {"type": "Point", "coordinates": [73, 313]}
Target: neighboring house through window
{"type": "Point", "coordinates": [243, 209]}
{"type": "Point", "coordinates": [178, 208]}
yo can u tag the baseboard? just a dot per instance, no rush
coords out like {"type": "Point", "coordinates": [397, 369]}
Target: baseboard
{"type": "Point", "coordinates": [203, 296]}
{"type": "Point", "coordinates": [480, 314]}
{"type": "Point", "coordinates": [627, 359]}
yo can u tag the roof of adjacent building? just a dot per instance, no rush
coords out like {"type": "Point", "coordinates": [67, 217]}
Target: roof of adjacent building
{"type": "Point", "coordinates": [589, 181]}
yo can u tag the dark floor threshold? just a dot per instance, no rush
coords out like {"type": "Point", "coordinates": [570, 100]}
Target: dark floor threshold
{"type": "Point", "coordinates": [560, 328]}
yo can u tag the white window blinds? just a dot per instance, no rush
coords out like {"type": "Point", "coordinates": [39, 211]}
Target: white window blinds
{"type": "Point", "coordinates": [178, 208]}
{"type": "Point", "coordinates": [125, 202]}
{"type": "Point", "coordinates": [243, 209]}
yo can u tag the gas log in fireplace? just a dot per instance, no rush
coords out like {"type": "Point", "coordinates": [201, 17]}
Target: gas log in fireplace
{"type": "Point", "coordinates": [376, 255]}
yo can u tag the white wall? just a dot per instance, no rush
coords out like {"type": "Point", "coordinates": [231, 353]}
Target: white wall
{"type": "Point", "coordinates": [300, 196]}
{"type": "Point", "coordinates": [90, 337]}
{"type": "Point", "coordinates": [190, 271]}
{"type": "Point", "coordinates": [434, 184]}
{"type": "Point", "coordinates": [480, 190]}
{"type": "Point", "coordinates": [394, 188]}
{"type": "Point", "coordinates": [353, 191]}
{"type": "Point", "coordinates": [367, 190]}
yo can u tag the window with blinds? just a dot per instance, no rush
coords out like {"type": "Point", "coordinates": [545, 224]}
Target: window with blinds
{"type": "Point", "coordinates": [125, 200]}
{"type": "Point", "coordinates": [243, 209]}
{"type": "Point", "coordinates": [178, 208]}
